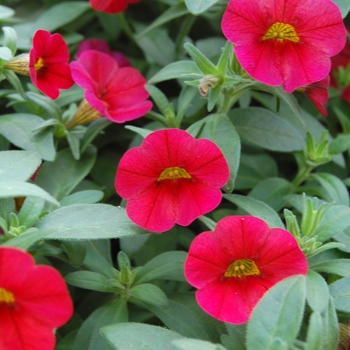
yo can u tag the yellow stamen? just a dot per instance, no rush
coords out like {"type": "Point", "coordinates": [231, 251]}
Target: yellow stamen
{"type": "Point", "coordinates": [39, 64]}
{"type": "Point", "coordinates": [243, 267]}
{"type": "Point", "coordinates": [282, 31]}
{"type": "Point", "coordinates": [6, 296]}
{"type": "Point", "coordinates": [174, 173]}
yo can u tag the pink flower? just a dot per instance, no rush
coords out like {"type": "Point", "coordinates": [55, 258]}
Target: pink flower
{"type": "Point", "coordinates": [171, 178]}
{"type": "Point", "coordinates": [111, 6]}
{"type": "Point", "coordinates": [34, 300]}
{"type": "Point", "coordinates": [102, 46]}
{"type": "Point", "coordinates": [235, 265]}
{"type": "Point", "coordinates": [118, 94]}
{"type": "Point", "coordinates": [286, 42]}
{"type": "Point", "coordinates": [48, 63]}
{"type": "Point", "coordinates": [318, 94]}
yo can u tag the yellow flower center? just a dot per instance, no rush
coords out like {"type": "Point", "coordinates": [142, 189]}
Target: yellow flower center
{"type": "Point", "coordinates": [174, 173]}
{"type": "Point", "coordinates": [39, 64]}
{"type": "Point", "coordinates": [282, 31]}
{"type": "Point", "coordinates": [6, 297]}
{"type": "Point", "coordinates": [243, 267]}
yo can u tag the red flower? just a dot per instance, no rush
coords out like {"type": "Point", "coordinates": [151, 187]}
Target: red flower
{"type": "Point", "coordinates": [34, 300]}
{"type": "Point", "coordinates": [235, 265]}
{"type": "Point", "coordinates": [102, 46]}
{"type": "Point", "coordinates": [119, 94]}
{"type": "Point", "coordinates": [48, 63]}
{"type": "Point", "coordinates": [318, 94]}
{"type": "Point", "coordinates": [111, 6]}
{"type": "Point", "coordinates": [286, 42]}
{"type": "Point", "coordinates": [171, 178]}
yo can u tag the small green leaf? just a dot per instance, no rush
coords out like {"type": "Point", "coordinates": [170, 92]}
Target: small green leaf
{"type": "Point", "coordinates": [177, 70]}
{"type": "Point", "coordinates": [344, 6]}
{"type": "Point", "coordinates": [18, 165]}
{"type": "Point", "coordinates": [139, 336]}
{"type": "Point", "coordinates": [88, 221]}
{"type": "Point", "coordinates": [340, 291]}
{"type": "Point", "coordinates": [74, 144]}
{"type": "Point", "coordinates": [82, 197]}
{"type": "Point", "coordinates": [314, 338]}
{"type": "Point", "coordinates": [317, 293]}
{"type": "Point", "coordinates": [196, 344]}
{"type": "Point", "coordinates": [199, 6]}
{"type": "Point", "coordinates": [30, 211]}
{"type": "Point", "coordinates": [339, 267]}
{"type": "Point", "coordinates": [89, 280]}
{"type": "Point", "coordinates": [47, 104]}
{"type": "Point", "coordinates": [76, 251]}
{"type": "Point", "coordinates": [14, 81]}
{"type": "Point", "coordinates": [278, 314]}
{"type": "Point", "coordinates": [6, 12]}
{"type": "Point", "coordinates": [256, 208]}
{"type": "Point", "coordinates": [10, 38]}
{"type": "Point", "coordinates": [149, 293]}
{"type": "Point", "coordinates": [168, 265]}
{"type": "Point", "coordinates": [89, 335]}
{"type": "Point", "coordinates": [9, 189]}
{"type": "Point", "coordinates": [330, 327]}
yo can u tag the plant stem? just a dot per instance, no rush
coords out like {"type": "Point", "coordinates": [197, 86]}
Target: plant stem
{"type": "Point", "coordinates": [185, 29]}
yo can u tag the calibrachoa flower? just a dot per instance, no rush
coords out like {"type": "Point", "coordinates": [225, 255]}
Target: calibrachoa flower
{"type": "Point", "coordinates": [111, 6]}
{"type": "Point", "coordinates": [47, 63]}
{"type": "Point", "coordinates": [34, 300]}
{"type": "Point", "coordinates": [286, 42]}
{"type": "Point", "coordinates": [235, 265]}
{"type": "Point", "coordinates": [101, 45]}
{"type": "Point", "coordinates": [318, 94]}
{"type": "Point", "coordinates": [171, 178]}
{"type": "Point", "coordinates": [116, 93]}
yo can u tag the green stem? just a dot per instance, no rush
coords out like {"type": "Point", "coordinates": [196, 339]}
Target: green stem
{"type": "Point", "coordinates": [126, 27]}
{"type": "Point", "coordinates": [184, 30]}
{"type": "Point", "coordinates": [301, 176]}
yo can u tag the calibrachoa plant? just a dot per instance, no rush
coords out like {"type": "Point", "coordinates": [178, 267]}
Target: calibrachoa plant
{"type": "Point", "coordinates": [174, 175]}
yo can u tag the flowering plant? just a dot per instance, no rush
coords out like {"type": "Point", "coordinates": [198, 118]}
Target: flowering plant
{"type": "Point", "coordinates": [174, 175]}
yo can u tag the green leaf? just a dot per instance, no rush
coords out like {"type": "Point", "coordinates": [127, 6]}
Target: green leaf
{"type": "Point", "coordinates": [272, 191]}
{"type": "Point", "coordinates": [74, 144]}
{"type": "Point", "coordinates": [139, 336]}
{"type": "Point", "coordinates": [140, 131]}
{"type": "Point", "coordinates": [220, 130]}
{"type": "Point", "coordinates": [255, 168]}
{"type": "Point", "coordinates": [6, 12]}
{"type": "Point", "coordinates": [160, 100]}
{"type": "Point", "coordinates": [333, 188]}
{"type": "Point", "coordinates": [317, 293]}
{"type": "Point", "coordinates": [339, 267]}
{"type": "Point", "coordinates": [256, 208]}
{"type": "Point", "coordinates": [236, 339]}
{"type": "Point", "coordinates": [204, 65]}
{"type": "Point", "coordinates": [340, 291]}
{"type": "Point", "coordinates": [18, 129]}
{"type": "Point", "coordinates": [168, 265]}
{"type": "Point", "coordinates": [314, 338]}
{"type": "Point", "coordinates": [340, 144]}
{"type": "Point", "coordinates": [18, 165]}
{"type": "Point", "coordinates": [47, 104]}
{"type": "Point", "coordinates": [9, 189]}
{"type": "Point", "coordinates": [181, 319]}
{"type": "Point", "coordinates": [26, 239]}
{"type": "Point", "coordinates": [149, 293]}
{"type": "Point", "coordinates": [265, 129]}
{"type": "Point", "coordinates": [59, 15]}
{"type": "Point", "coordinates": [89, 335]}
{"type": "Point", "coordinates": [171, 13]}
{"type": "Point", "coordinates": [278, 314]}
{"type": "Point", "coordinates": [330, 327]}
{"type": "Point", "coordinates": [177, 70]}
{"type": "Point", "coordinates": [61, 176]}
{"type": "Point", "coordinates": [14, 81]}
{"type": "Point", "coordinates": [10, 38]}
{"type": "Point", "coordinates": [92, 131]}
{"type": "Point", "coordinates": [88, 221]}
{"type": "Point", "coordinates": [89, 280]}
{"type": "Point", "coordinates": [76, 252]}
{"type": "Point", "coordinates": [30, 211]}
{"type": "Point", "coordinates": [344, 6]}
{"type": "Point", "coordinates": [196, 344]}
{"type": "Point", "coordinates": [82, 197]}
{"type": "Point", "coordinates": [199, 6]}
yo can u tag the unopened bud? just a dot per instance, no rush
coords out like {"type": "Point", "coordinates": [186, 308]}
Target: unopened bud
{"type": "Point", "coordinates": [209, 81]}
{"type": "Point", "coordinates": [19, 65]}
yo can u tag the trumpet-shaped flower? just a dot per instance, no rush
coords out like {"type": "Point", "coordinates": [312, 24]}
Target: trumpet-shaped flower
{"type": "Point", "coordinates": [233, 266]}
{"type": "Point", "coordinates": [116, 93]}
{"type": "Point", "coordinates": [48, 63]}
{"type": "Point", "coordinates": [171, 178]}
{"type": "Point", "coordinates": [34, 300]}
{"type": "Point", "coordinates": [111, 6]}
{"type": "Point", "coordinates": [285, 42]}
